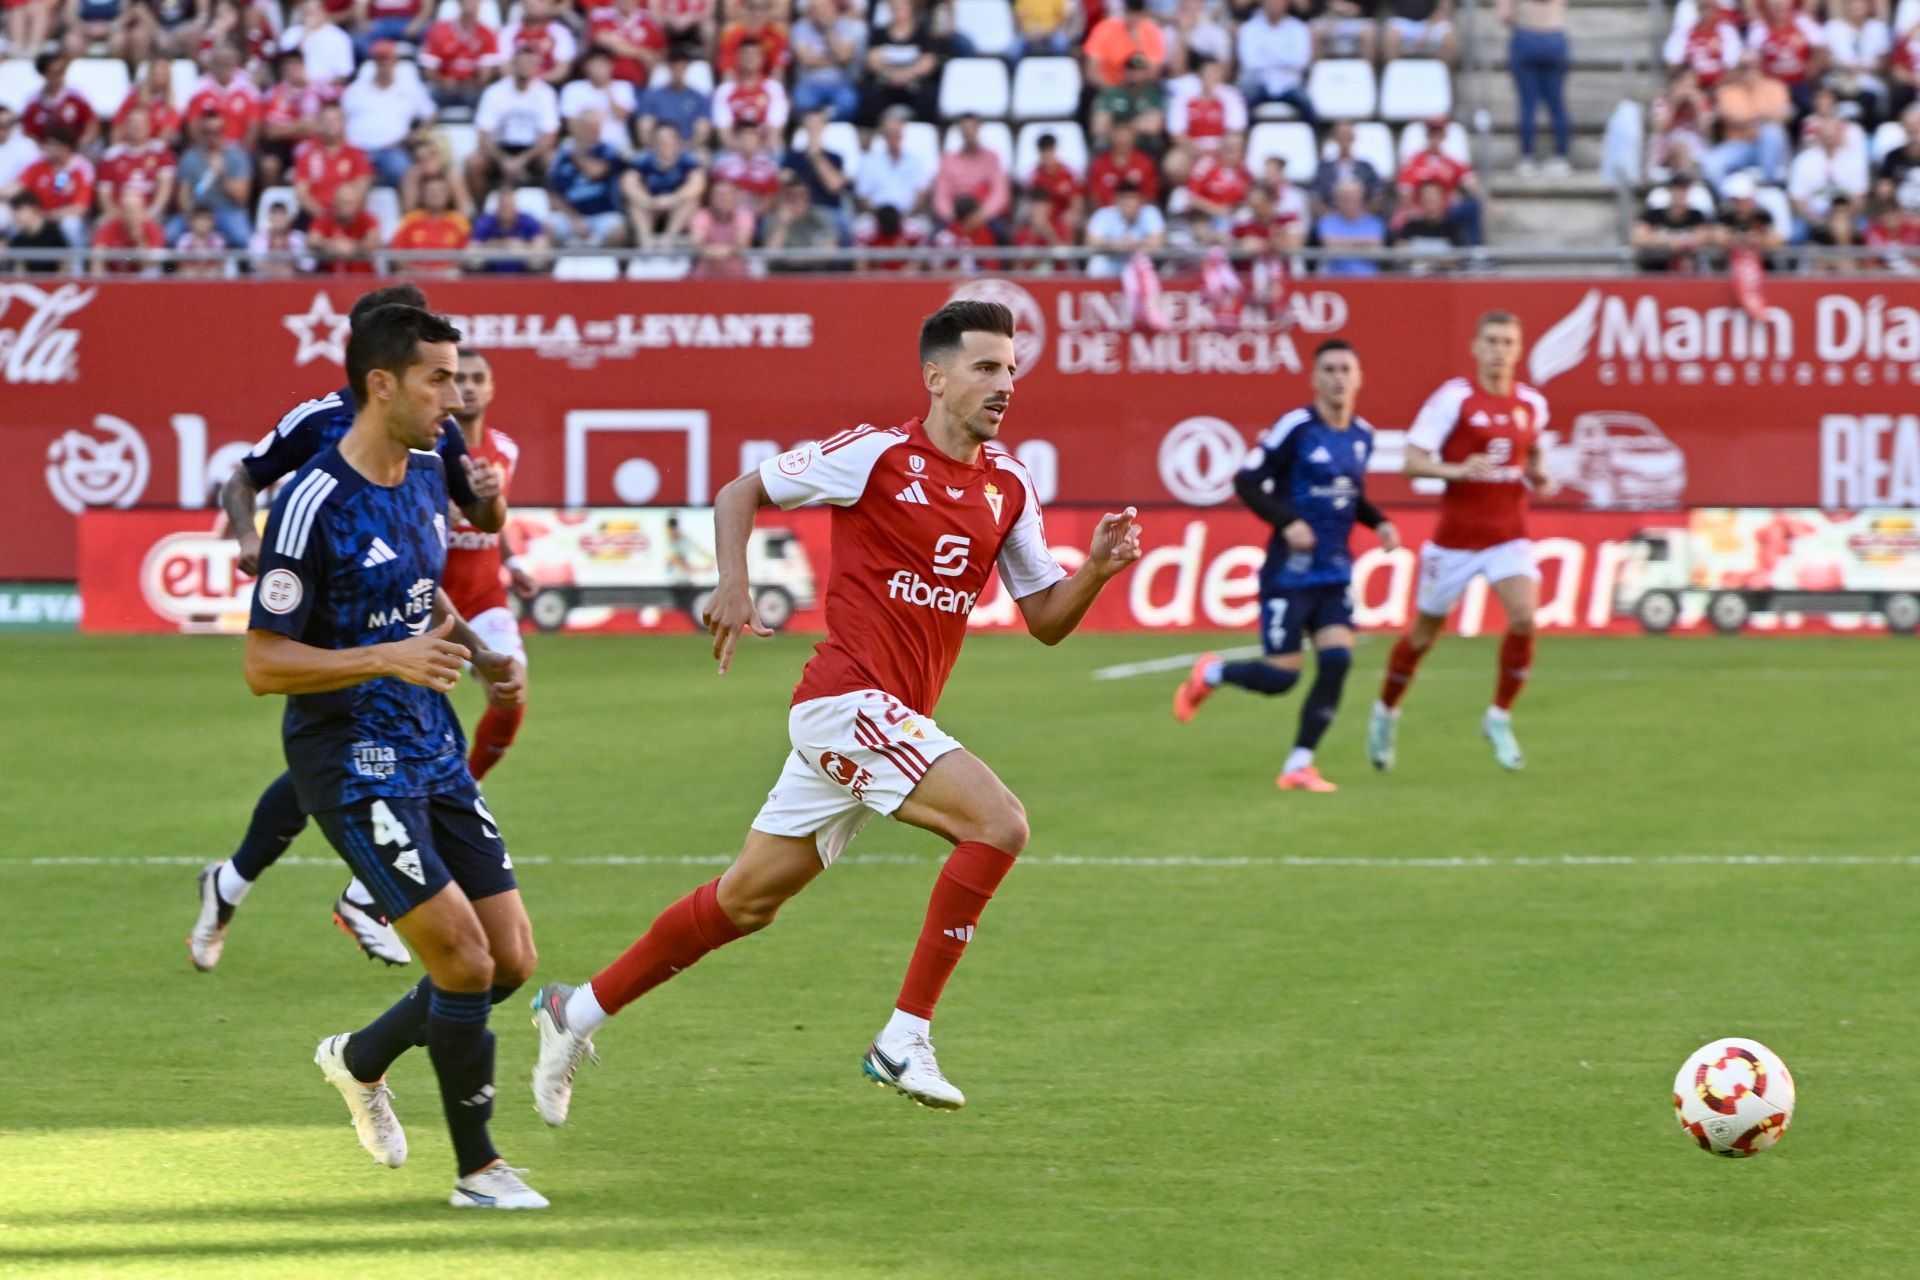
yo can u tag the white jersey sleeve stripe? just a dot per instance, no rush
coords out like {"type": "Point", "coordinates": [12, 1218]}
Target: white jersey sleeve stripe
{"type": "Point", "coordinates": [1534, 397]}
{"type": "Point", "coordinates": [1025, 561]}
{"type": "Point", "coordinates": [301, 511]}
{"type": "Point", "coordinates": [325, 403]}
{"type": "Point", "coordinates": [834, 471]}
{"type": "Point", "coordinates": [1439, 415]}
{"type": "Point", "coordinates": [1277, 434]}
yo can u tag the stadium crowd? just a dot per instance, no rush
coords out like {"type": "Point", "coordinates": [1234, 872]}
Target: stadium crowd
{"type": "Point", "coordinates": [315, 138]}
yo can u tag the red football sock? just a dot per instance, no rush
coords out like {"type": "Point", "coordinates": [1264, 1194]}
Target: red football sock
{"type": "Point", "coordinates": [1401, 664]}
{"type": "Point", "coordinates": [492, 736]}
{"type": "Point", "coordinates": [972, 872]}
{"type": "Point", "coordinates": [680, 935]}
{"type": "Point", "coordinates": [1516, 661]}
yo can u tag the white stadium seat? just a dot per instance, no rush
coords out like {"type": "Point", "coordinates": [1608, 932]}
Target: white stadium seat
{"type": "Point", "coordinates": [180, 88]}
{"type": "Point", "coordinates": [597, 267]}
{"type": "Point", "coordinates": [699, 76]}
{"type": "Point", "coordinates": [1415, 89]}
{"type": "Point", "coordinates": [1778, 207]}
{"type": "Point", "coordinates": [974, 86]}
{"type": "Point", "coordinates": [1046, 88]}
{"type": "Point", "coordinates": [843, 140]}
{"type": "Point", "coordinates": [535, 203]}
{"type": "Point", "coordinates": [277, 196]}
{"type": "Point", "coordinates": [462, 141]}
{"type": "Point", "coordinates": [489, 13]}
{"type": "Point", "coordinates": [384, 204]}
{"type": "Point", "coordinates": [1888, 138]}
{"type": "Point", "coordinates": [19, 83]}
{"type": "Point", "coordinates": [1413, 138]}
{"type": "Point", "coordinates": [1067, 134]}
{"type": "Point", "coordinates": [649, 267]}
{"type": "Point", "coordinates": [1291, 140]}
{"type": "Point", "coordinates": [988, 24]}
{"type": "Point", "coordinates": [103, 82]}
{"type": "Point", "coordinates": [923, 140]}
{"type": "Point", "coordinates": [1342, 89]}
{"type": "Point", "coordinates": [994, 136]}
{"type": "Point", "coordinates": [1373, 142]}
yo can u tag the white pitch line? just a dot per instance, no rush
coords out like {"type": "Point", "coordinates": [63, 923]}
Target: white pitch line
{"type": "Point", "coordinates": [1175, 662]}
{"type": "Point", "coordinates": [1283, 862]}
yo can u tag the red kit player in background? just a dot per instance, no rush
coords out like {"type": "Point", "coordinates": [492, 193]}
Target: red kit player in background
{"type": "Point", "coordinates": [922, 514]}
{"type": "Point", "coordinates": [475, 561]}
{"type": "Point", "coordinates": [1483, 437]}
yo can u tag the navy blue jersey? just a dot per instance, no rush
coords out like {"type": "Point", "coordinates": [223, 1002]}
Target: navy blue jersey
{"type": "Point", "coordinates": [1302, 468]}
{"type": "Point", "coordinates": [311, 428]}
{"type": "Point", "coordinates": [347, 563]}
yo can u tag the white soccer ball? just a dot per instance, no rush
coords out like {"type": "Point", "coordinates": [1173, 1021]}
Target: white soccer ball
{"type": "Point", "coordinates": [1734, 1097]}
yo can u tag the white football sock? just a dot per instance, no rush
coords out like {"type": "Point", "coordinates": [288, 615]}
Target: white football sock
{"type": "Point", "coordinates": [1499, 715]}
{"type": "Point", "coordinates": [230, 884]}
{"type": "Point", "coordinates": [584, 1014]}
{"type": "Point", "coordinates": [357, 894]}
{"type": "Point", "coordinates": [1297, 759]}
{"type": "Point", "coordinates": [903, 1024]}
{"type": "Point", "coordinates": [1212, 674]}
{"type": "Point", "coordinates": [1381, 708]}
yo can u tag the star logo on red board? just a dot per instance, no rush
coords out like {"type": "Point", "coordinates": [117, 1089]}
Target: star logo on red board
{"type": "Point", "coordinates": [322, 332]}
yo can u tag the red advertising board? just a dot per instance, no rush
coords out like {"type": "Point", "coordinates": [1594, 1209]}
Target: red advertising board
{"type": "Point", "coordinates": [1664, 393]}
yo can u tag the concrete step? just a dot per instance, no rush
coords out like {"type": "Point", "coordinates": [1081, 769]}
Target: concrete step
{"type": "Point", "coordinates": [1581, 184]}
{"type": "Point", "coordinates": [1590, 99]}
{"type": "Point", "coordinates": [1501, 149]}
{"type": "Point", "coordinates": [1594, 34]}
{"type": "Point", "coordinates": [1537, 222]}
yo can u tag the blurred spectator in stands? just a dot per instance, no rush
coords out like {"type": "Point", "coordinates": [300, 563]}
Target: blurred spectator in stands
{"type": "Point", "coordinates": [17, 151]}
{"type": "Point", "coordinates": [1859, 46]}
{"type": "Point", "coordinates": [124, 28]}
{"type": "Point", "coordinates": [519, 123]}
{"type": "Point", "coordinates": [29, 25]}
{"type": "Point", "coordinates": [1045, 28]}
{"type": "Point", "coordinates": [1894, 230]}
{"type": "Point", "coordinates": [886, 228]}
{"type": "Point", "coordinates": [289, 115]}
{"type": "Point", "coordinates": [1341, 28]}
{"type": "Point", "coordinates": [677, 103]}
{"type": "Point", "coordinates": [1040, 227]}
{"type": "Point", "coordinates": [1538, 56]}
{"type": "Point", "coordinates": [138, 164]}
{"type": "Point", "coordinates": [1898, 177]}
{"type": "Point", "coordinates": [1432, 164]}
{"type": "Point", "coordinates": [1429, 233]}
{"type": "Point", "coordinates": [507, 227]}
{"type": "Point", "coordinates": [797, 222]}
{"type": "Point", "coordinates": [1139, 99]}
{"type": "Point", "coordinates": [277, 250]}
{"type": "Point", "coordinates": [890, 174]}
{"type": "Point", "coordinates": [629, 31]}
{"type": "Point", "coordinates": [196, 243]}
{"type": "Point", "coordinates": [749, 163]}
{"type": "Point", "coordinates": [322, 165]}
{"type": "Point", "coordinates": [1349, 225]}
{"type": "Point", "coordinates": [1827, 171]}
{"type": "Point", "coordinates": [175, 29]}
{"type": "Point", "coordinates": [662, 190]}
{"type": "Point", "coordinates": [32, 229]}
{"type": "Point", "coordinates": [1218, 184]}
{"type": "Point", "coordinates": [1204, 108]}
{"type": "Point", "coordinates": [1064, 194]}
{"type": "Point", "coordinates": [1274, 48]}
{"type": "Point", "coordinates": [1120, 37]}
{"type": "Point", "coordinates": [130, 227]}
{"type": "Point", "coordinates": [436, 224]}
{"type": "Point", "coordinates": [972, 170]}
{"type": "Point", "coordinates": [1194, 34]}
{"type": "Point", "coordinates": [965, 234]}
{"type": "Point", "coordinates": [1752, 110]}
{"type": "Point", "coordinates": [722, 232]}
{"type": "Point", "coordinates": [611, 99]}
{"type": "Point", "coordinates": [58, 105]}
{"type": "Point", "coordinates": [219, 174]}
{"type": "Point", "coordinates": [827, 48]}
{"type": "Point", "coordinates": [1679, 119]}
{"type": "Point", "coordinates": [1744, 221]}
{"type": "Point", "coordinates": [1837, 228]}
{"type": "Point", "coordinates": [903, 67]}
{"type": "Point", "coordinates": [1791, 47]}
{"type": "Point", "coordinates": [689, 24]}
{"type": "Point", "coordinates": [553, 40]}
{"type": "Point", "coordinates": [585, 180]}
{"type": "Point", "coordinates": [1711, 46]}
{"type": "Point", "coordinates": [153, 94]}
{"type": "Point", "coordinates": [461, 57]}
{"type": "Point", "coordinates": [248, 29]}
{"type": "Point", "coordinates": [1420, 29]}
{"type": "Point", "coordinates": [1127, 226]}
{"type": "Point", "coordinates": [755, 25]}
{"type": "Point", "coordinates": [817, 168]}
{"type": "Point", "coordinates": [1671, 229]}
{"type": "Point", "coordinates": [1343, 165]}
{"type": "Point", "coordinates": [329, 50]}
{"type": "Point", "coordinates": [230, 90]}
{"type": "Point", "coordinates": [1122, 162]}
{"type": "Point", "coordinates": [382, 106]}
{"type": "Point", "coordinates": [1827, 107]}
{"type": "Point", "coordinates": [377, 20]}
{"type": "Point", "coordinates": [62, 180]}
{"type": "Point", "coordinates": [343, 239]}
{"type": "Point", "coordinates": [1273, 219]}
{"type": "Point", "coordinates": [749, 96]}
{"type": "Point", "coordinates": [1903, 74]}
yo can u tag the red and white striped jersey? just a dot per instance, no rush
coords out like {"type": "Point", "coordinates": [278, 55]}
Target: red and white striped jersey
{"type": "Point", "coordinates": [1460, 420]}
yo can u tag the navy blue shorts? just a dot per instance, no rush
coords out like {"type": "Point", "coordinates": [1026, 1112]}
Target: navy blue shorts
{"type": "Point", "coordinates": [1289, 615]}
{"type": "Point", "coordinates": [407, 849]}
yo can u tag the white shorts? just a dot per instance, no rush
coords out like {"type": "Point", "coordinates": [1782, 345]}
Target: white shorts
{"type": "Point", "coordinates": [1446, 572]}
{"type": "Point", "coordinates": [854, 755]}
{"type": "Point", "coordinates": [499, 630]}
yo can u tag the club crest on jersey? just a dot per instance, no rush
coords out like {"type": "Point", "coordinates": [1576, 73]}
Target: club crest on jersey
{"type": "Point", "coordinates": [917, 462]}
{"type": "Point", "coordinates": [1520, 419]}
{"type": "Point", "coordinates": [995, 499]}
{"type": "Point", "coordinates": [910, 728]}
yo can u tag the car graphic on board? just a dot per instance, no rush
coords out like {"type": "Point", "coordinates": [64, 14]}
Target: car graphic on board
{"type": "Point", "coordinates": [1619, 459]}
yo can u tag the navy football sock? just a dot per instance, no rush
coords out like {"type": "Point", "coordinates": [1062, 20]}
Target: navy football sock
{"type": "Point", "coordinates": [500, 993]}
{"type": "Point", "coordinates": [1323, 699]}
{"type": "Point", "coordinates": [372, 1049]}
{"type": "Point", "coordinates": [462, 1051]}
{"type": "Point", "coordinates": [1261, 677]}
{"type": "Point", "coordinates": [276, 821]}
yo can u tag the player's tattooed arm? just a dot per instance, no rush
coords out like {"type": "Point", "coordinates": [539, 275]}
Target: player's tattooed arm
{"type": "Point", "coordinates": [1053, 613]}
{"type": "Point", "coordinates": [276, 663]}
{"type": "Point", "coordinates": [238, 498]}
{"type": "Point", "coordinates": [730, 612]}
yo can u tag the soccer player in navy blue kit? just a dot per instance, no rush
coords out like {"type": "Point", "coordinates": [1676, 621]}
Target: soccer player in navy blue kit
{"type": "Point", "coordinates": [307, 430]}
{"type": "Point", "coordinates": [350, 623]}
{"type": "Point", "coordinates": [1305, 478]}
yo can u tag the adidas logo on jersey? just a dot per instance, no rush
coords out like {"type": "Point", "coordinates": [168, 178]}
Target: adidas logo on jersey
{"type": "Point", "coordinates": [408, 865]}
{"type": "Point", "coordinates": [1320, 454]}
{"type": "Point", "coordinates": [1480, 419]}
{"type": "Point", "coordinates": [913, 493]}
{"type": "Point", "coordinates": [378, 553]}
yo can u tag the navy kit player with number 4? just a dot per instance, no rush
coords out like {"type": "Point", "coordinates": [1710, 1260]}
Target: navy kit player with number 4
{"type": "Point", "coordinates": [350, 623]}
{"type": "Point", "coordinates": [1305, 478]}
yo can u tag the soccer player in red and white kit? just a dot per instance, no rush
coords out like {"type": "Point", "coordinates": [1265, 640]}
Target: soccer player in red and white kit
{"type": "Point", "coordinates": [475, 559]}
{"type": "Point", "coordinates": [922, 515]}
{"type": "Point", "coordinates": [1483, 436]}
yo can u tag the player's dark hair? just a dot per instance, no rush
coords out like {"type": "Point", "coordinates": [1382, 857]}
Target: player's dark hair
{"type": "Point", "coordinates": [394, 295]}
{"type": "Point", "coordinates": [473, 353]}
{"type": "Point", "coordinates": [389, 338]}
{"type": "Point", "coordinates": [941, 333]}
{"type": "Point", "coordinates": [1495, 317]}
{"type": "Point", "coordinates": [1331, 345]}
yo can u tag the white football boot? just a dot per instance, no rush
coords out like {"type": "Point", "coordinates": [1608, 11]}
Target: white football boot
{"type": "Point", "coordinates": [1498, 730]}
{"type": "Point", "coordinates": [1382, 726]}
{"type": "Point", "coordinates": [561, 1049]}
{"type": "Point", "coordinates": [498, 1186]}
{"type": "Point", "coordinates": [905, 1061]}
{"type": "Point", "coordinates": [209, 936]}
{"type": "Point", "coordinates": [371, 1105]}
{"type": "Point", "coordinates": [372, 930]}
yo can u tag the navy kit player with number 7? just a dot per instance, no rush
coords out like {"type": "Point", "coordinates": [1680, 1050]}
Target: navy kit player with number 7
{"type": "Point", "coordinates": [350, 623]}
{"type": "Point", "coordinates": [1305, 478]}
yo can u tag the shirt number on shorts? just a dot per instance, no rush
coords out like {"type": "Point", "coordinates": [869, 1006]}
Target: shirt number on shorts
{"type": "Point", "coordinates": [388, 829]}
{"type": "Point", "coordinates": [1276, 622]}
{"type": "Point", "coordinates": [491, 826]}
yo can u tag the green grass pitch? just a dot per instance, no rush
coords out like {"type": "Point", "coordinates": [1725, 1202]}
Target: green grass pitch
{"type": "Point", "coordinates": [1424, 1027]}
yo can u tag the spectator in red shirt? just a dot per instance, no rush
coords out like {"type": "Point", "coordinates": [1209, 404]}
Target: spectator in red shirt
{"type": "Point", "coordinates": [326, 166]}
{"type": "Point", "coordinates": [461, 57]}
{"type": "Point", "coordinates": [58, 104]}
{"type": "Point", "coordinates": [885, 228]}
{"type": "Point", "coordinates": [200, 238]}
{"type": "Point", "coordinates": [345, 236]}
{"type": "Point", "coordinates": [436, 224]}
{"type": "Point", "coordinates": [153, 94]}
{"type": "Point", "coordinates": [750, 164]}
{"type": "Point", "coordinates": [974, 171]}
{"type": "Point", "coordinates": [229, 88]}
{"type": "Point", "coordinates": [139, 164]}
{"type": "Point", "coordinates": [1041, 228]}
{"type": "Point", "coordinates": [628, 30]}
{"type": "Point", "coordinates": [1894, 229]}
{"type": "Point", "coordinates": [750, 96]}
{"type": "Point", "coordinates": [689, 24]}
{"type": "Point", "coordinates": [968, 230]}
{"type": "Point", "coordinates": [1432, 164]}
{"type": "Point", "coordinates": [1121, 162]}
{"type": "Point", "coordinates": [1218, 183]}
{"type": "Point", "coordinates": [757, 27]}
{"type": "Point", "coordinates": [289, 115]}
{"type": "Point", "coordinates": [377, 20]}
{"type": "Point", "coordinates": [1792, 48]}
{"type": "Point", "coordinates": [130, 227]}
{"type": "Point", "coordinates": [551, 38]}
{"type": "Point", "coordinates": [1061, 189]}
{"type": "Point", "coordinates": [1711, 46]}
{"type": "Point", "coordinates": [1263, 226]}
{"type": "Point", "coordinates": [62, 180]}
